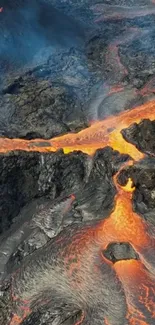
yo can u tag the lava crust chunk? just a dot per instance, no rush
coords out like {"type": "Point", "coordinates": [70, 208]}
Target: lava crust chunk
{"type": "Point", "coordinates": [142, 135]}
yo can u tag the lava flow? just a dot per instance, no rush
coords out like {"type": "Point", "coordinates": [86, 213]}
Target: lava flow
{"type": "Point", "coordinates": [139, 288]}
{"type": "Point", "coordinates": [126, 225]}
{"type": "Point", "coordinates": [137, 277]}
{"type": "Point", "coordinates": [99, 135]}
{"type": "Point", "coordinates": [78, 248]}
{"type": "Point", "coordinates": [129, 284]}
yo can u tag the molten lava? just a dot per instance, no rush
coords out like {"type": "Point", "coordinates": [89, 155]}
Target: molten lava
{"type": "Point", "coordinates": [123, 224]}
{"type": "Point", "coordinates": [139, 288]}
{"type": "Point", "coordinates": [99, 135]}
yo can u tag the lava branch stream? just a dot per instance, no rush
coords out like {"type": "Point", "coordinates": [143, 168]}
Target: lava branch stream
{"type": "Point", "coordinates": [73, 257]}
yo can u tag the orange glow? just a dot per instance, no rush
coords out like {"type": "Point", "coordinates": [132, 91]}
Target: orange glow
{"type": "Point", "coordinates": [99, 135]}
{"type": "Point", "coordinates": [107, 133]}
{"type": "Point", "coordinates": [106, 321]}
{"type": "Point", "coordinates": [81, 320]}
{"type": "Point", "coordinates": [123, 224]}
{"type": "Point", "coordinates": [126, 225]}
{"type": "Point", "coordinates": [128, 187]}
{"type": "Point", "coordinates": [16, 320]}
{"type": "Point", "coordinates": [139, 288]}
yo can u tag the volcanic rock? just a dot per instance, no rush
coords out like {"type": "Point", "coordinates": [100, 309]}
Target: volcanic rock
{"type": "Point", "coordinates": [60, 70]}
{"type": "Point", "coordinates": [25, 176]}
{"type": "Point", "coordinates": [142, 135]}
{"type": "Point", "coordinates": [39, 110]}
{"type": "Point", "coordinates": [50, 177]}
{"type": "Point", "coordinates": [120, 251]}
{"type": "Point", "coordinates": [143, 178]}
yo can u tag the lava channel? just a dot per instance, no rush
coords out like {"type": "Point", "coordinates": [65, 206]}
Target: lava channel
{"type": "Point", "coordinates": [99, 135]}
{"type": "Point", "coordinates": [139, 288]}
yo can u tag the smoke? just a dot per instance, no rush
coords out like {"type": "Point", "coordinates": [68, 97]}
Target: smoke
{"type": "Point", "coordinates": [128, 59]}
{"type": "Point", "coordinates": [27, 27]}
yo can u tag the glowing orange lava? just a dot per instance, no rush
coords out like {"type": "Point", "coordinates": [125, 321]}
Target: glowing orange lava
{"type": "Point", "coordinates": [137, 276]}
{"type": "Point", "coordinates": [139, 288]}
{"type": "Point", "coordinates": [123, 224]}
{"type": "Point", "coordinates": [99, 135]}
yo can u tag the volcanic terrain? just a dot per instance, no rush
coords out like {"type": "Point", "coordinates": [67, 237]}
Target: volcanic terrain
{"type": "Point", "coordinates": [77, 162]}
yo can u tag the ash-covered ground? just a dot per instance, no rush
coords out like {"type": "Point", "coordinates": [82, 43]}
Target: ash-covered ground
{"type": "Point", "coordinates": [62, 65]}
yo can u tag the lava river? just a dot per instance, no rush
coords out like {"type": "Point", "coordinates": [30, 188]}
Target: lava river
{"type": "Point", "coordinates": [99, 135]}
{"type": "Point", "coordinates": [137, 277]}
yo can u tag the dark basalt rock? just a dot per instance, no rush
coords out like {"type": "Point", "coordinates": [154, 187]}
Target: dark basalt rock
{"type": "Point", "coordinates": [143, 177]}
{"type": "Point", "coordinates": [143, 173]}
{"type": "Point", "coordinates": [43, 183]}
{"type": "Point", "coordinates": [38, 109]}
{"type": "Point", "coordinates": [25, 176]}
{"type": "Point", "coordinates": [142, 135]}
{"type": "Point", "coordinates": [120, 251]}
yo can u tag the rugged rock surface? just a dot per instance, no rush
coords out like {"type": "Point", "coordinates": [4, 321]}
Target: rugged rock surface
{"type": "Point", "coordinates": [26, 176]}
{"type": "Point", "coordinates": [142, 135]}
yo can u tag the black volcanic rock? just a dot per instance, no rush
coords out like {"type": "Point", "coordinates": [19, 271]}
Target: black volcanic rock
{"type": "Point", "coordinates": [143, 177]}
{"type": "Point", "coordinates": [25, 176]}
{"type": "Point", "coordinates": [38, 109]}
{"type": "Point", "coordinates": [142, 135]}
{"type": "Point", "coordinates": [119, 251]}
